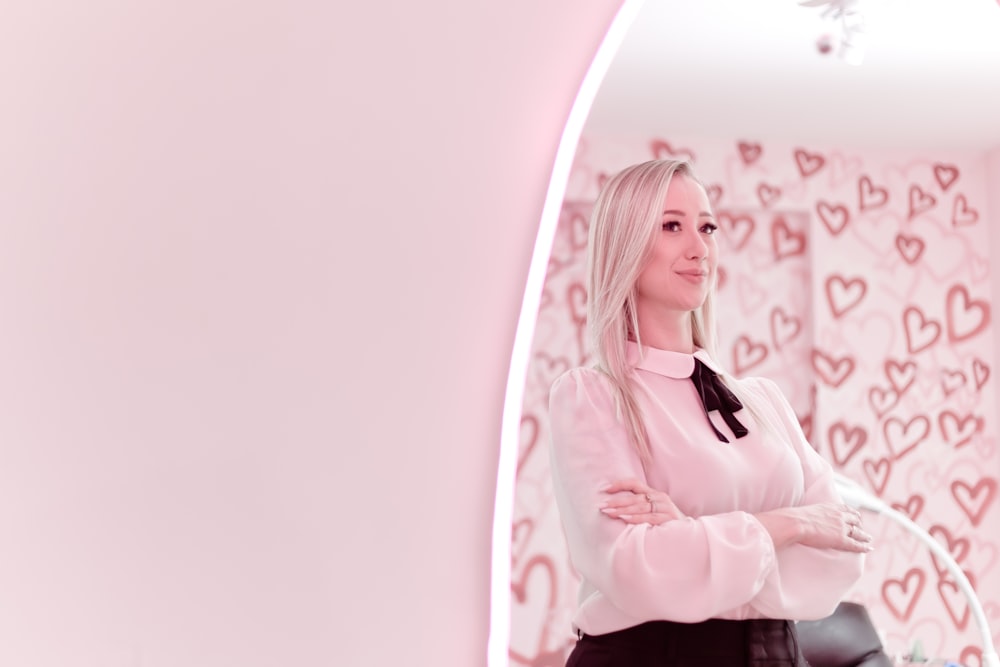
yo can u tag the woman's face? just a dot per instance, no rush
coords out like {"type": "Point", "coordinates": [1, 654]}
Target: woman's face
{"type": "Point", "coordinates": [682, 267]}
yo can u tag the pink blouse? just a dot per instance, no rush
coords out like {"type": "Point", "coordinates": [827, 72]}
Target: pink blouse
{"type": "Point", "coordinates": [719, 561]}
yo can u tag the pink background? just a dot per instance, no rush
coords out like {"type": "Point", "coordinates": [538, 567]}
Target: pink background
{"type": "Point", "coordinates": [260, 267]}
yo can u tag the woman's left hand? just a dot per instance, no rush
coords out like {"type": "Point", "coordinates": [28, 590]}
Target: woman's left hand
{"type": "Point", "coordinates": [632, 501]}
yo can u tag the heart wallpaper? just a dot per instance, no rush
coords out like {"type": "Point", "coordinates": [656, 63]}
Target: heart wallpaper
{"type": "Point", "coordinates": [859, 281]}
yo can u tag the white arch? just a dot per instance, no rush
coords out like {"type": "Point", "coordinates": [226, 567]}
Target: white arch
{"type": "Point", "coordinates": [499, 641]}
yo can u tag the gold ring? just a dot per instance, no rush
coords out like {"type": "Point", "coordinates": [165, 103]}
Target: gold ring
{"type": "Point", "coordinates": [652, 505]}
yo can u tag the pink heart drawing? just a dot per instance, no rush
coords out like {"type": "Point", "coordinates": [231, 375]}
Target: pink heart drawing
{"type": "Point", "coordinates": [902, 437]}
{"type": "Point", "coordinates": [975, 499]}
{"type": "Point", "coordinates": [921, 333]}
{"type": "Point", "coordinates": [910, 247]}
{"type": "Point", "coordinates": [808, 163]}
{"type": "Point", "coordinates": [920, 201]}
{"type": "Point", "coordinates": [843, 294]}
{"type": "Point", "coordinates": [869, 195]}
{"type": "Point", "coordinates": [965, 317]}
{"type": "Point", "coordinates": [749, 152]}
{"type": "Point", "coordinates": [945, 175]}
{"type": "Point", "coordinates": [833, 216]}
{"type": "Point", "coordinates": [768, 194]}
{"type": "Point", "coordinates": [961, 214]}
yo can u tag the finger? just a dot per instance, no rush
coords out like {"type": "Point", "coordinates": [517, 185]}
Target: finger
{"type": "Point", "coordinates": [634, 519]}
{"type": "Point", "coordinates": [853, 515]}
{"type": "Point", "coordinates": [861, 536]}
{"type": "Point", "coordinates": [626, 499]}
{"type": "Point", "coordinates": [633, 485]}
{"type": "Point", "coordinates": [626, 509]}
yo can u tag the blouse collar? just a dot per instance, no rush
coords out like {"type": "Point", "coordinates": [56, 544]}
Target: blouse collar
{"type": "Point", "coordinates": [677, 365]}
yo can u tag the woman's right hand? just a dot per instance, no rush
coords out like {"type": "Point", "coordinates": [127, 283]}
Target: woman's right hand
{"type": "Point", "coordinates": [633, 501]}
{"type": "Point", "coordinates": [823, 526]}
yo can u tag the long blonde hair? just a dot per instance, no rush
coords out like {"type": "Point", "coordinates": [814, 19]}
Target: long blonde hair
{"type": "Point", "coordinates": [623, 230]}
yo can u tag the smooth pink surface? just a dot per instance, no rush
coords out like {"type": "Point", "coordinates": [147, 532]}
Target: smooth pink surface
{"type": "Point", "coordinates": [260, 267]}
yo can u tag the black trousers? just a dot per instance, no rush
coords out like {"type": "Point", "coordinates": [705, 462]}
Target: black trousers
{"type": "Point", "coordinates": [712, 643]}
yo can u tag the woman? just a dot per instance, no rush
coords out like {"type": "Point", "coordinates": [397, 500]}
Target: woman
{"type": "Point", "coordinates": [696, 513]}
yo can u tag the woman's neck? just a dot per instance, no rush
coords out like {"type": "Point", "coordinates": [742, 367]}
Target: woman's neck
{"type": "Point", "coordinates": [670, 333]}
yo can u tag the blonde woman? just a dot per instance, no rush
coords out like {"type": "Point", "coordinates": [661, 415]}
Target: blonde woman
{"type": "Point", "coordinates": [699, 518]}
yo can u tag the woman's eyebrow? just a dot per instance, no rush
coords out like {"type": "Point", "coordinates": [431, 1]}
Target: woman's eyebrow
{"type": "Point", "coordinates": [707, 214]}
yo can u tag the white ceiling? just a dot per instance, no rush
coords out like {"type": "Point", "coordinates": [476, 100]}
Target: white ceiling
{"type": "Point", "coordinates": [751, 69]}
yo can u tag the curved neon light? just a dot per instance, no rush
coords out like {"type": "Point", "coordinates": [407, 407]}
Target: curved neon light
{"type": "Point", "coordinates": [499, 641]}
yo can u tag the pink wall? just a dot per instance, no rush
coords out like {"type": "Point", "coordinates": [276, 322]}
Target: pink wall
{"type": "Point", "coordinates": [260, 265]}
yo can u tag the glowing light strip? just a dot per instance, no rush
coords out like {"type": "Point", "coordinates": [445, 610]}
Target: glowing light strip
{"type": "Point", "coordinates": [499, 641]}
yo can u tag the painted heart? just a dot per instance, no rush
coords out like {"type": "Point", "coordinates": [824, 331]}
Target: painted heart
{"type": "Point", "coordinates": [579, 230]}
{"type": "Point", "coordinates": [900, 375]}
{"type": "Point", "coordinates": [951, 381]}
{"type": "Point", "coordinates": [981, 373]}
{"type": "Point", "coordinates": [945, 175]}
{"type": "Point", "coordinates": [961, 214]}
{"type": "Point", "coordinates": [901, 595]}
{"type": "Point", "coordinates": [958, 547]}
{"type": "Point", "coordinates": [903, 437]}
{"type": "Point", "coordinates": [965, 317]}
{"type": "Point", "coordinates": [529, 438]}
{"type": "Point", "coordinates": [520, 588]}
{"type": "Point", "coordinates": [534, 594]}
{"type": "Point", "coordinates": [920, 201]}
{"type": "Point", "coordinates": [808, 163]}
{"type": "Point", "coordinates": [912, 508]}
{"type": "Point", "coordinates": [958, 431]}
{"type": "Point", "coordinates": [785, 242]}
{"type": "Point", "coordinates": [955, 601]}
{"type": "Point", "coordinates": [974, 500]}
{"type": "Point", "coordinates": [843, 294]}
{"type": "Point", "coordinates": [921, 333]}
{"type": "Point", "coordinates": [520, 537]}
{"type": "Point", "coordinates": [576, 297]}
{"type": "Point", "coordinates": [747, 354]}
{"type": "Point", "coordinates": [972, 656]}
{"type": "Point", "coordinates": [737, 228]}
{"type": "Point", "coordinates": [910, 247]}
{"type": "Point", "coordinates": [664, 151]}
{"type": "Point", "coordinates": [767, 194]}
{"type": "Point", "coordinates": [869, 195]}
{"type": "Point", "coordinates": [749, 152]}
{"type": "Point", "coordinates": [833, 216]}
{"type": "Point", "coordinates": [877, 473]}
{"type": "Point", "coordinates": [714, 192]}
{"type": "Point", "coordinates": [784, 327]}
{"type": "Point", "coordinates": [830, 370]}
{"type": "Point", "coordinates": [882, 400]}
{"type": "Point", "coordinates": [547, 368]}
{"type": "Point", "coordinates": [845, 441]}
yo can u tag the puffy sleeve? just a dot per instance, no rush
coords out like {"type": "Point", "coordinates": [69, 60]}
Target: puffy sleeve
{"type": "Point", "coordinates": [685, 570]}
{"type": "Point", "coordinates": [807, 583]}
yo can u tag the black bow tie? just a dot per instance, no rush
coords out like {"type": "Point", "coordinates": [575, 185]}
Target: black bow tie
{"type": "Point", "coordinates": [717, 396]}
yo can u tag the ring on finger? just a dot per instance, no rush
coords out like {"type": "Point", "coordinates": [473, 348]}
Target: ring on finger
{"type": "Point", "coordinates": [652, 505]}
{"type": "Point", "coordinates": [850, 533]}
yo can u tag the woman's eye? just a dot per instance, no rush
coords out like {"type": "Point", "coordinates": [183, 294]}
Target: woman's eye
{"type": "Point", "coordinates": [709, 228]}
{"type": "Point", "coordinates": [671, 226]}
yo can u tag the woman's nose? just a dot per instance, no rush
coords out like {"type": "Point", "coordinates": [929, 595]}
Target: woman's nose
{"type": "Point", "coordinates": [697, 247]}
